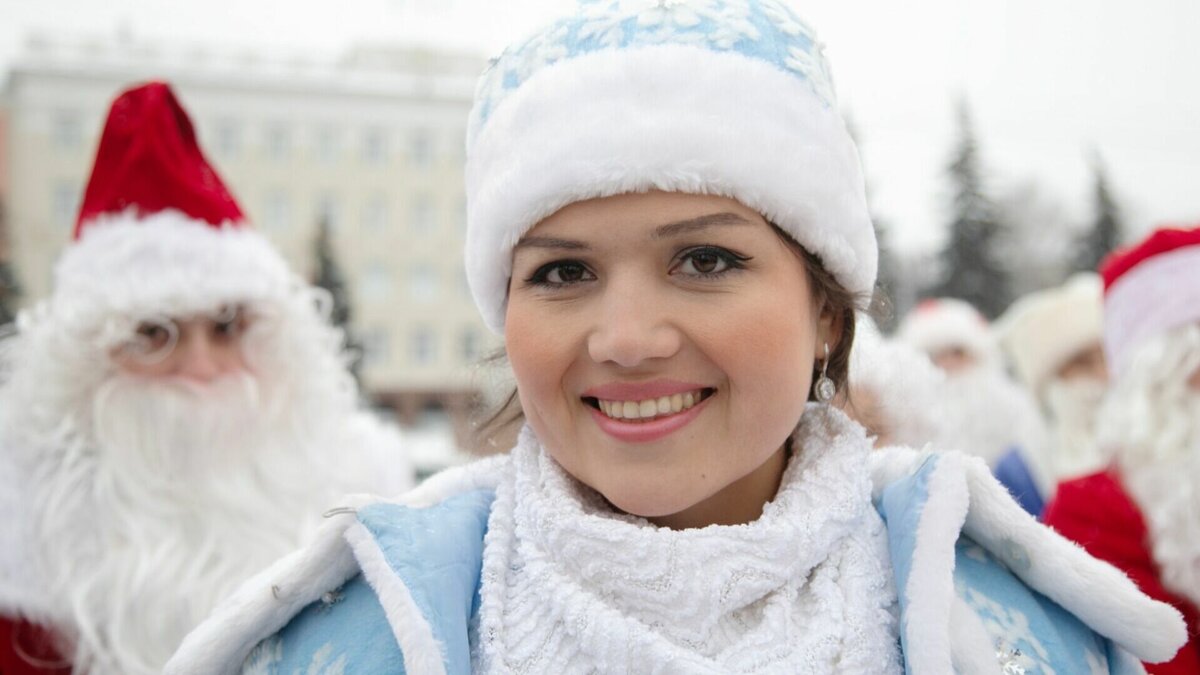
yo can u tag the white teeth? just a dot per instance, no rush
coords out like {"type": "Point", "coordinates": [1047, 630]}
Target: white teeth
{"type": "Point", "coordinates": [650, 408]}
{"type": "Point", "coordinates": [664, 406]}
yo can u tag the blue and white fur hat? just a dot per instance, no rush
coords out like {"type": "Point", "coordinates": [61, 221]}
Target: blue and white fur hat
{"type": "Point", "coordinates": [721, 97]}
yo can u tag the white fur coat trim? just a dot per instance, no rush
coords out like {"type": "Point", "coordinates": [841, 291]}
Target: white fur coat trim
{"type": "Point", "coordinates": [1097, 593]}
{"type": "Point", "coordinates": [668, 117]}
{"type": "Point", "coordinates": [268, 601]}
{"type": "Point", "coordinates": [163, 264]}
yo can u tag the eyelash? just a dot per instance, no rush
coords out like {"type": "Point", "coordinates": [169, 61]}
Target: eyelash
{"type": "Point", "coordinates": [733, 262]}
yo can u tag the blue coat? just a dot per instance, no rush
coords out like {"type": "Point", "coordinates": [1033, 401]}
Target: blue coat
{"type": "Point", "coordinates": [981, 587]}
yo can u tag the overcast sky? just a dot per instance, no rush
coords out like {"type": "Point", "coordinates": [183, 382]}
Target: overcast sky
{"type": "Point", "coordinates": [1048, 80]}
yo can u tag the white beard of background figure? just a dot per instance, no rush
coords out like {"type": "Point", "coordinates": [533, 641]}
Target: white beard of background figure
{"type": "Point", "coordinates": [1074, 410]}
{"type": "Point", "coordinates": [172, 490]}
{"type": "Point", "coordinates": [1151, 421]}
{"type": "Point", "coordinates": [986, 414]}
{"type": "Point", "coordinates": [982, 411]}
{"type": "Point", "coordinates": [1054, 340]}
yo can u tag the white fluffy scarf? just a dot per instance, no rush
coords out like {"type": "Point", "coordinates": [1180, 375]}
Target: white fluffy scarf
{"type": "Point", "coordinates": [570, 586]}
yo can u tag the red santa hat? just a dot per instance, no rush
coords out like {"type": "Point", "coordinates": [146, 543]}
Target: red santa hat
{"type": "Point", "coordinates": [1149, 289]}
{"type": "Point", "coordinates": [939, 324]}
{"type": "Point", "coordinates": [158, 233]}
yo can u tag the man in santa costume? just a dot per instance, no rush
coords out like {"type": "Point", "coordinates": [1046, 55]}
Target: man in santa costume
{"type": "Point", "coordinates": [174, 417]}
{"type": "Point", "coordinates": [1142, 513]}
{"type": "Point", "coordinates": [980, 409]}
{"type": "Point", "coordinates": [1053, 339]}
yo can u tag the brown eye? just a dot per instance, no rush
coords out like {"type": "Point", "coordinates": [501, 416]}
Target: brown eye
{"type": "Point", "coordinates": [708, 262]}
{"type": "Point", "coordinates": [229, 327]}
{"type": "Point", "coordinates": [561, 273]}
{"type": "Point", "coordinates": [153, 336]}
{"type": "Point", "coordinates": [705, 262]}
{"type": "Point", "coordinates": [567, 273]}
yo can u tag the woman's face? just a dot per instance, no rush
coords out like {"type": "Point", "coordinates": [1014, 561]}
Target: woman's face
{"type": "Point", "coordinates": [663, 346]}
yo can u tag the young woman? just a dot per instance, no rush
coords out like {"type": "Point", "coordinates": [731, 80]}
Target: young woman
{"type": "Point", "coordinates": [667, 224]}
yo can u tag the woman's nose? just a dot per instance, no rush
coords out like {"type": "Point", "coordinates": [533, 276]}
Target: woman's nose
{"type": "Point", "coordinates": [632, 326]}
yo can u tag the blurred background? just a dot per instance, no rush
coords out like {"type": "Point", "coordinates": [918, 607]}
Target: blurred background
{"type": "Point", "coordinates": [1006, 144]}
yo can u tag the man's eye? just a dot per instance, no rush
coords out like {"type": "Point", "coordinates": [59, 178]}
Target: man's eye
{"type": "Point", "coordinates": [229, 327]}
{"type": "Point", "coordinates": [153, 335]}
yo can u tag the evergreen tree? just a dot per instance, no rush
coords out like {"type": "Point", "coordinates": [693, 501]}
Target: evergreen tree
{"type": "Point", "coordinates": [10, 290]}
{"type": "Point", "coordinates": [1106, 229]}
{"type": "Point", "coordinates": [329, 277]}
{"type": "Point", "coordinates": [972, 269]}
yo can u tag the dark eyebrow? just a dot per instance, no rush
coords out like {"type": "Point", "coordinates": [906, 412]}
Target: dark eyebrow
{"type": "Point", "coordinates": [551, 242]}
{"type": "Point", "coordinates": [700, 223]}
{"type": "Point", "coordinates": [660, 232]}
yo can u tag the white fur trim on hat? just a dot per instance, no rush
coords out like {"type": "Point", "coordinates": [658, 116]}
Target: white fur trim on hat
{"type": "Point", "coordinates": [1044, 330]}
{"type": "Point", "coordinates": [1160, 293]}
{"type": "Point", "coordinates": [165, 264]}
{"type": "Point", "coordinates": [666, 117]}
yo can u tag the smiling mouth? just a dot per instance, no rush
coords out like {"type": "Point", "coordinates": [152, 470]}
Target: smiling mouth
{"type": "Point", "coordinates": [649, 409]}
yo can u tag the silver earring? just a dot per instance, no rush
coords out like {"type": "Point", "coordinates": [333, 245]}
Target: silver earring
{"type": "Point", "coordinates": [825, 389]}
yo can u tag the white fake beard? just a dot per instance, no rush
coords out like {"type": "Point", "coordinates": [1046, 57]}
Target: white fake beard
{"type": "Point", "coordinates": [985, 414]}
{"type": "Point", "coordinates": [1153, 421]}
{"type": "Point", "coordinates": [1074, 407]}
{"type": "Point", "coordinates": [1170, 502]}
{"type": "Point", "coordinates": [186, 493]}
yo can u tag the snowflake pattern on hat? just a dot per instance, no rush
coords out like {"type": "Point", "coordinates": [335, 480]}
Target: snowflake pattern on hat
{"type": "Point", "coordinates": [765, 30]}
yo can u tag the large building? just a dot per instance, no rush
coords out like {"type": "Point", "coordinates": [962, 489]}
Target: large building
{"type": "Point", "coordinates": [372, 144]}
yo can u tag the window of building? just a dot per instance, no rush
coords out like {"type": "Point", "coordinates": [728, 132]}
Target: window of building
{"type": "Point", "coordinates": [328, 209]}
{"type": "Point", "coordinates": [277, 210]}
{"type": "Point", "coordinates": [375, 148]}
{"type": "Point", "coordinates": [423, 346]}
{"type": "Point", "coordinates": [376, 346]}
{"type": "Point", "coordinates": [279, 142]}
{"type": "Point", "coordinates": [423, 218]}
{"type": "Point", "coordinates": [470, 344]}
{"type": "Point", "coordinates": [327, 144]}
{"type": "Point", "coordinates": [423, 282]}
{"type": "Point", "coordinates": [375, 213]}
{"type": "Point", "coordinates": [375, 285]}
{"type": "Point", "coordinates": [228, 141]}
{"type": "Point", "coordinates": [68, 130]}
{"type": "Point", "coordinates": [420, 148]}
{"type": "Point", "coordinates": [65, 201]}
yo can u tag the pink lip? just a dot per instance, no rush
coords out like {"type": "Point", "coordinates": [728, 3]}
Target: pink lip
{"type": "Point", "coordinates": [645, 432]}
{"type": "Point", "coordinates": [640, 391]}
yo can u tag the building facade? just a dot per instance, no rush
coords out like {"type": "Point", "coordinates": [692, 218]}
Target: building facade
{"type": "Point", "coordinates": [371, 143]}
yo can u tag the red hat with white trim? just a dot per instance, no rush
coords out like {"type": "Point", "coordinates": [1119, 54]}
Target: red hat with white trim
{"type": "Point", "coordinates": [149, 161]}
{"type": "Point", "coordinates": [158, 233]}
{"type": "Point", "coordinates": [937, 324]}
{"type": "Point", "coordinates": [1149, 289]}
